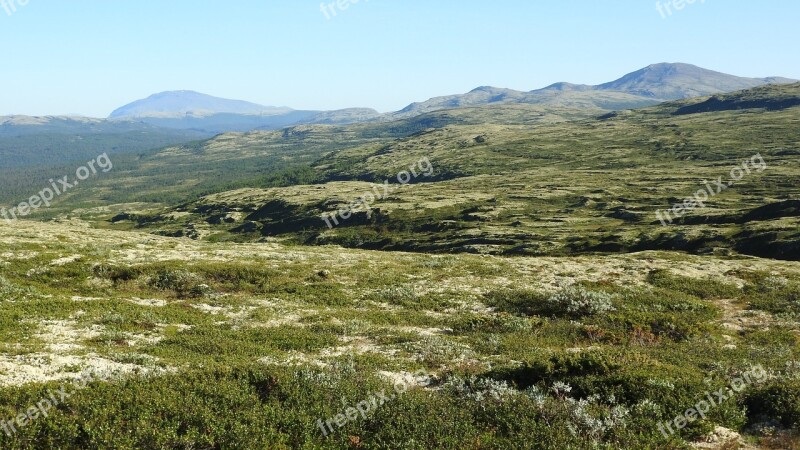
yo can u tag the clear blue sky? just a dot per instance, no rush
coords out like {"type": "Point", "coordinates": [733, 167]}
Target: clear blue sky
{"type": "Point", "coordinates": [91, 56]}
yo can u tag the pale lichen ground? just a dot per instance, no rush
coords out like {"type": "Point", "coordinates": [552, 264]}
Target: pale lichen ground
{"type": "Point", "coordinates": [60, 344]}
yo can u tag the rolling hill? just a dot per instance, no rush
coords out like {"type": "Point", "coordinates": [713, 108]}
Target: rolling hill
{"type": "Point", "coordinates": [573, 187]}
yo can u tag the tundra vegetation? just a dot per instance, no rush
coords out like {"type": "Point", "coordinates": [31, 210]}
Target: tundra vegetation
{"type": "Point", "coordinates": [528, 277]}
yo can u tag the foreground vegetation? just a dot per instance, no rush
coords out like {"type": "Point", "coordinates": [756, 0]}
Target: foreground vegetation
{"type": "Point", "coordinates": [204, 345]}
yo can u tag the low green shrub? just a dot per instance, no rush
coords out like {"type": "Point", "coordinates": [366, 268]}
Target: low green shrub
{"type": "Point", "coordinates": [560, 367]}
{"type": "Point", "coordinates": [570, 302]}
{"type": "Point", "coordinates": [577, 302]}
{"type": "Point", "coordinates": [184, 283]}
{"type": "Point", "coordinates": [777, 400]}
{"type": "Point", "coordinates": [115, 273]}
{"type": "Point", "coordinates": [516, 301]}
{"type": "Point", "coordinates": [10, 291]}
{"type": "Point", "coordinates": [703, 288]}
{"type": "Point", "coordinates": [494, 323]}
{"type": "Point", "coordinates": [774, 294]}
{"type": "Point", "coordinates": [663, 313]}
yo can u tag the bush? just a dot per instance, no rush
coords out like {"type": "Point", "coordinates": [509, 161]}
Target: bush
{"type": "Point", "coordinates": [577, 302]}
{"type": "Point", "coordinates": [556, 368]}
{"type": "Point", "coordinates": [499, 323]}
{"type": "Point", "coordinates": [115, 273]}
{"type": "Point", "coordinates": [774, 294]}
{"type": "Point", "coordinates": [478, 389]}
{"type": "Point", "coordinates": [397, 295]}
{"type": "Point", "coordinates": [516, 301]}
{"type": "Point", "coordinates": [705, 288]}
{"type": "Point", "coordinates": [238, 277]}
{"type": "Point", "coordinates": [663, 313]}
{"type": "Point", "coordinates": [184, 283]}
{"type": "Point", "coordinates": [778, 401]}
{"type": "Point", "coordinates": [10, 291]}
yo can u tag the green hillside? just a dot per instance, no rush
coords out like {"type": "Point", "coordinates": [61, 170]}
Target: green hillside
{"type": "Point", "coordinates": [255, 159]}
{"type": "Point", "coordinates": [582, 186]}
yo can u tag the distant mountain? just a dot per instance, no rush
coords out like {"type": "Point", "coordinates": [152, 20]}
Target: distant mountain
{"type": "Point", "coordinates": [189, 110]}
{"type": "Point", "coordinates": [18, 124]}
{"type": "Point", "coordinates": [653, 84]}
{"type": "Point", "coordinates": [678, 81]}
{"type": "Point", "coordinates": [563, 95]}
{"type": "Point", "coordinates": [229, 122]}
{"type": "Point", "coordinates": [178, 104]}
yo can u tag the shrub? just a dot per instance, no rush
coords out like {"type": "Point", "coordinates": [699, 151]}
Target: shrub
{"type": "Point", "coordinates": [10, 291]}
{"type": "Point", "coordinates": [478, 389]}
{"type": "Point", "coordinates": [408, 297]}
{"type": "Point", "coordinates": [556, 368]}
{"type": "Point", "coordinates": [774, 294]}
{"type": "Point", "coordinates": [499, 323]}
{"type": "Point", "coordinates": [703, 288]}
{"type": "Point", "coordinates": [435, 351]}
{"type": "Point", "coordinates": [779, 400]}
{"type": "Point", "coordinates": [516, 301]}
{"type": "Point", "coordinates": [397, 295]}
{"type": "Point", "coordinates": [658, 312]}
{"type": "Point", "coordinates": [114, 273]}
{"type": "Point", "coordinates": [238, 277]}
{"type": "Point", "coordinates": [184, 283]}
{"type": "Point", "coordinates": [577, 302]}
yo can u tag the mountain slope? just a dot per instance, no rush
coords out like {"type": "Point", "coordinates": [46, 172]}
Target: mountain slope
{"type": "Point", "coordinates": [771, 98]}
{"type": "Point", "coordinates": [651, 85]}
{"type": "Point", "coordinates": [677, 81]}
{"type": "Point", "coordinates": [564, 97]}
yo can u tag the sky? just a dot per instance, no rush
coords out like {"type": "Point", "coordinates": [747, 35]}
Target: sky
{"type": "Point", "coordinates": [90, 57]}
